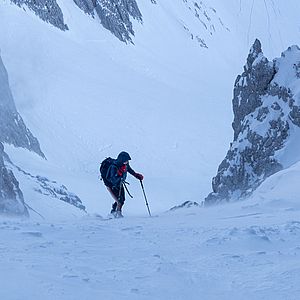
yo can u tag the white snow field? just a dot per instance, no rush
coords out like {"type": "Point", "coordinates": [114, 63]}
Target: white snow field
{"type": "Point", "coordinates": [246, 250]}
{"type": "Point", "coordinates": [243, 250]}
{"type": "Point", "coordinates": [167, 101]}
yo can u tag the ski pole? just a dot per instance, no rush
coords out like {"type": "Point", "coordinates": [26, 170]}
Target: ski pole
{"type": "Point", "coordinates": [34, 211]}
{"type": "Point", "coordinates": [145, 198]}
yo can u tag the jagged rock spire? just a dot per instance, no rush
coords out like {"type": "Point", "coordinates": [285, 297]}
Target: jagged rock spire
{"type": "Point", "coordinates": [264, 113]}
{"type": "Point", "coordinates": [250, 86]}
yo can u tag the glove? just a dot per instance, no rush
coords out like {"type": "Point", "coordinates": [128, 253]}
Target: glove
{"type": "Point", "coordinates": [139, 176]}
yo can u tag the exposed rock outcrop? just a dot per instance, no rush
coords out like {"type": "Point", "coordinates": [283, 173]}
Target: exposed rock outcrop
{"type": "Point", "coordinates": [266, 111]}
{"type": "Point", "coordinates": [47, 10]}
{"type": "Point", "coordinates": [186, 204]}
{"type": "Point", "coordinates": [11, 197]}
{"type": "Point", "coordinates": [114, 15]}
{"type": "Point", "coordinates": [12, 127]}
{"type": "Point", "coordinates": [52, 189]}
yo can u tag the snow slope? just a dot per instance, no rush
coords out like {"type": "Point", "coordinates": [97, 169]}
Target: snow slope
{"type": "Point", "coordinates": [244, 250]}
{"type": "Point", "coordinates": [165, 100]}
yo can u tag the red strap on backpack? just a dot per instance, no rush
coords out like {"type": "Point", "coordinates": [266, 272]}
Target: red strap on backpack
{"type": "Point", "coordinates": [122, 170]}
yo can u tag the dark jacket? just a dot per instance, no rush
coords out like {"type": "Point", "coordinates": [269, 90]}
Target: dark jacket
{"type": "Point", "coordinates": [117, 172]}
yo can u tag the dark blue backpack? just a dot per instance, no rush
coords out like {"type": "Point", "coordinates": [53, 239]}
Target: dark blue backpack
{"type": "Point", "coordinates": [106, 163]}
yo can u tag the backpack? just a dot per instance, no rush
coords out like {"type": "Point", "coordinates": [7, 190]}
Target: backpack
{"type": "Point", "coordinates": [106, 163]}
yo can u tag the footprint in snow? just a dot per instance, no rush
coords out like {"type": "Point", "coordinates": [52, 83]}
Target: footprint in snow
{"type": "Point", "coordinates": [131, 228]}
{"type": "Point", "coordinates": [33, 233]}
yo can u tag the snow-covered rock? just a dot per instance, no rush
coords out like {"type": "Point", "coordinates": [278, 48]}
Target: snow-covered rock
{"type": "Point", "coordinates": [186, 204]}
{"type": "Point", "coordinates": [11, 197]}
{"type": "Point", "coordinates": [114, 15]}
{"type": "Point", "coordinates": [266, 124]}
{"type": "Point", "coordinates": [59, 191]}
{"type": "Point", "coordinates": [47, 10]}
{"type": "Point", "coordinates": [13, 129]}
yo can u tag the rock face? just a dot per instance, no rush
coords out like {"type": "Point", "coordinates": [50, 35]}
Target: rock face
{"type": "Point", "coordinates": [186, 204]}
{"type": "Point", "coordinates": [14, 131]}
{"type": "Point", "coordinates": [266, 112]}
{"type": "Point", "coordinates": [11, 197]}
{"type": "Point", "coordinates": [12, 128]}
{"type": "Point", "coordinates": [47, 10]}
{"type": "Point", "coordinates": [57, 191]}
{"type": "Point", "coordinates": [114, 15]}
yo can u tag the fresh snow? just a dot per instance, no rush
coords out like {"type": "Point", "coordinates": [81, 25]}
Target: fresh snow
{"type": "Point", "coordinates": [247, 250]}
{"type": "Point", "coordinates": [167, 101]}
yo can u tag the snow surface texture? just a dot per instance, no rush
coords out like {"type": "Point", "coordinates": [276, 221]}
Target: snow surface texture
{"type": "Point", "coordinates": [266, 121]}
{"type": "Point", "coordinates": [247, 250]}
{"type": "Point", "coordinates": [207, 17]}
{"type": "Point", "coordinates": [11, 197]}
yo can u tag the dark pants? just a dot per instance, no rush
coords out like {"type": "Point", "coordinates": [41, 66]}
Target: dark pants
{"type": "Point", "coordinates": [119, 197]}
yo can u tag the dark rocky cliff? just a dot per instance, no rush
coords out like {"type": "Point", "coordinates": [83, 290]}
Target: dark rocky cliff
{"type": "Point", "coordinates": [265, 111]}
